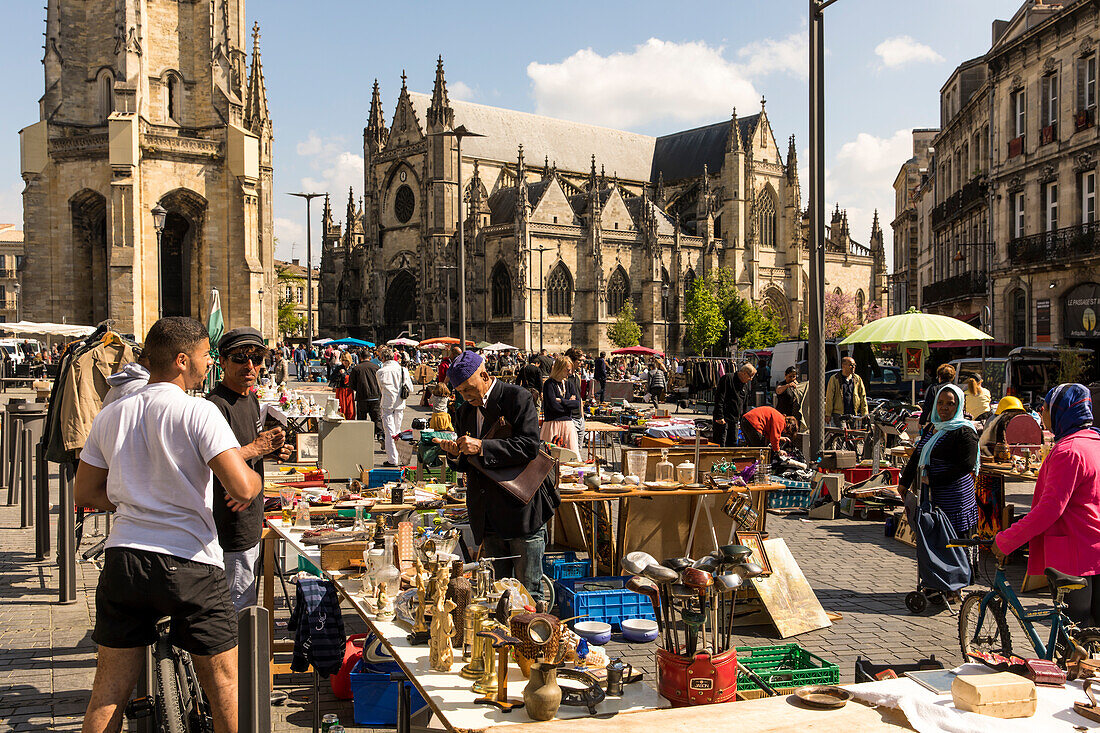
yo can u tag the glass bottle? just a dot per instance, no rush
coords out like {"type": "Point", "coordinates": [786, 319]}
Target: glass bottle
{"type": "Point", "coordinates": [391, 579]}
{"type": "Point", "coordinates": [762, 469]}
{"type": "Point", "coordinates": [664, 472]}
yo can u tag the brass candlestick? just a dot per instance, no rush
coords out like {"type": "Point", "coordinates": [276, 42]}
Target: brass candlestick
{"type": "Point", "coordinates": [474, 647]}
{"type": "Point", "coordinates": [487, 683]}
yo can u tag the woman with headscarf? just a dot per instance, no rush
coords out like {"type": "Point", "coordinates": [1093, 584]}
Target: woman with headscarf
{"type": "Point", "coordinates": [946, 458]}
{"type": "Point", "coordinates": [1063, 525]}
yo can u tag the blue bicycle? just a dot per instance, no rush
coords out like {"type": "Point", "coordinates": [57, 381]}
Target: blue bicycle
{"type": "Point", "coordinates": [983, 619]}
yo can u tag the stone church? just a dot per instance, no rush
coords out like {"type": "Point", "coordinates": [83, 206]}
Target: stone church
{"type": "Point", "coordinates": [566, 222]}
{"type": "Point", "coordinates": [148, 103]}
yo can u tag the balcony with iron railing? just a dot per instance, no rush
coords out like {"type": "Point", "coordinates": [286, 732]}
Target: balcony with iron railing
{"type": "Point", "coordinates": [963, 285]}
{"type": "Point", "coordinates": [8, 274]}
{"type": "Point", "coordinates": [958, 203]}
{"type": "Point", "coordinates": [1067, 243]}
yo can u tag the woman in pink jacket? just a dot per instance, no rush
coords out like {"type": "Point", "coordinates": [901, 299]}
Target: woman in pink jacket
{"type": "Point", "coordinates": [1063, 525]}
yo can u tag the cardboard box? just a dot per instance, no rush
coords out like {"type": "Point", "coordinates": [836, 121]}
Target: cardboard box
{"type": "Point", "coordinates": [1000, 695]}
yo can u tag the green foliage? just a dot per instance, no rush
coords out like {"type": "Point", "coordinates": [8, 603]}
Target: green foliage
{"type": "Point", "coordinates": [765, 332]}
{"type": "Point", "coordinates": [704, 317]}
{"type": "Point", "coordinates": [804, 329]}
{"type": "Point", "coordinates": [290, 322]}
{"type": "Point", "coordinates": [1071, 365]}
{"type": "Point", "coordinates": [625, 331]}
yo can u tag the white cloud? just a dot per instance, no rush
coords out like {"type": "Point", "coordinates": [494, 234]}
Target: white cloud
{"type": "Point", "coordinates": [902, 50]}
{"type": "Point", "coordinates": [789, 55]}
{"type": "Point", "coordinates": [333, 168]}
{"type": "Point", "coordinates": [657, 80]}
{"type": "Point", "coordinates": [461, 91]}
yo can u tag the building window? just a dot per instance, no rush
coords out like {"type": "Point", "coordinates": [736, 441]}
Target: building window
{"type": "Point", "coordinates": [1018, 301]}
{"type": "Point", "coordinates": [666, 294]}
{"type": "Point", "coordinates": [1019, 113]}
{"type": "Point", "coordinates": [861, 302]}
{"type": "Point", "coordinates": [404, 203]}
{"type": "Point", "coordinates": [1050, 207]}
{"type": "Point", "coordinates": [105, 94]}
{"type": "Point", "coordinates": [618, 287]}
{"type": "Point", "coordinates": [1086, 83]}
{"type": "Point", "coordinates": [173, 102]}
{"type": "Point", "coordinates": [765, 218]}
{"type": "Point", "coordinates": [1016, 223]}
{"type": "Point", "coordinates": [1088, 197]}
{"type": "Point", "coordinates": [299, 295]}
{"type": "Point", "coordinates": [502, 291]}
{"type": "Point", "coordinates": [289, 294]}
{"type": "Point", "coordinates": [689, 283]}
{"type": "Point", "coordinates": [1050, 106]}
{"type": "Point", "coordinates": [559, 291]}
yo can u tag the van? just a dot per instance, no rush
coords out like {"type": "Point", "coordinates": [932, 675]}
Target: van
{"type": "Point", "coordinates": [1028, 372]}
{"type": "Point", "coordinates": [13, 350]}
{"type": "Point", "coordinates": [795, 352]}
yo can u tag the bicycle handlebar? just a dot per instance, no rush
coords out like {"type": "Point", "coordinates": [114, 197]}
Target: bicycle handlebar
{"type": "Point", "coordinates": [975, 542]}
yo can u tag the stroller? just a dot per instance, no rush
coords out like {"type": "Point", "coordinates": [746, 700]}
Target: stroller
{"type": "Point", "coordinates": [940, 569]}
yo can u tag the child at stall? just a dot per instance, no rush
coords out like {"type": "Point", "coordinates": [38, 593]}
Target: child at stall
{"type": "Point", "coordinates": [440, 399]}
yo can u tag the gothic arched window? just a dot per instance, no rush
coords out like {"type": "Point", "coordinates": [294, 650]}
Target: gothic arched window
{"type": "Point", "coordinates": [861, 301]}
{"type": "Point", "coordinates": [105, 94]}
{"type": "Point", "coordinates": [404, 204]}
{"type": "Point", "coordinates": [666, 294]}
{"type": "Point", "coordinates": [766, 225]}
{"type": "Point", "coordinates": [173, 100]}
{"type": "Point", "coordinates": [559, 291]}
{"type": "Point", "coordinates": [502, 291]}
{"type": "Point", "coordinates": [618, 289]}
{"type": "Point", "coordinates": [689, 283]}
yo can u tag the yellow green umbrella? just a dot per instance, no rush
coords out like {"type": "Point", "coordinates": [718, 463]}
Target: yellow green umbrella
{"type": "Point", "coordinates": [916, 326]}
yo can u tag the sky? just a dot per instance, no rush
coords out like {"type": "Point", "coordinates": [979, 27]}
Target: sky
{"type": "Point", "coordinates": [644, 66]}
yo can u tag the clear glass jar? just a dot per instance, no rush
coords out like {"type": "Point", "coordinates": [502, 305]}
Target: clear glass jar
{"type": "Point", "coordinates": [389, 574]}
{"type": "Point", "coordinates": [664, 471]}
{"type": "Point", "coordinates": [636, 464]}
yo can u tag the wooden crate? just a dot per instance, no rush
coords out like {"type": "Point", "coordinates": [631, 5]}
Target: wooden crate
{"type": "Point", "coordinates": [342, 555]}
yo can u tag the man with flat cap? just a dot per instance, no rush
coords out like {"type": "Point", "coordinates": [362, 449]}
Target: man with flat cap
{"type": "Point", "coordinates": [502, 524]}
{"type": "Point", "coordinates": [241, 353]}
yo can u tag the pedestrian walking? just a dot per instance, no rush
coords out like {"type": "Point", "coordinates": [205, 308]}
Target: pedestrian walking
{"type": "Point", "coordinates": [396, 386]}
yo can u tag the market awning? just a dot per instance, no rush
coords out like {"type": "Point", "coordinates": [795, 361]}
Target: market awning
{"type": "Point", "coordinates": [349, 341]}
{"type": "Point", "coordinates": [47, 329]}
{"type": "Point", "coordinates": [443, 340]}
{"type": "Point", "coordinates": [643, 350]}
{"type": "Point", "coordinates": [402, 342]}
{"type": "Point", "coordinates": [500, 346]}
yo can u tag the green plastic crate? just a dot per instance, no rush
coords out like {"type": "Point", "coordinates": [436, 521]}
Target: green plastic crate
{"type": "Point", "coordinates": [784, 666]}
{"type": "Point", "coordinates": [306, 566]}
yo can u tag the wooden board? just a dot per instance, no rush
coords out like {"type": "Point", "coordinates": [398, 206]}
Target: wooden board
{"type": "Point", "coordinates": [904, 533]}
{"type": "Point", "coordinates": [342, 555]}
{"type": "Point", "coordinates": [787, 595]}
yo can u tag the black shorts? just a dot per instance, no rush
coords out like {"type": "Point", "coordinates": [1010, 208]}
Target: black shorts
{"type": "Point", "coordinates": [137, 588]}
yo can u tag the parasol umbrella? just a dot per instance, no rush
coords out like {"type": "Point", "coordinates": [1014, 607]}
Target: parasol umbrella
{"type": "Point", "coordinates": [643, 350]}
{"type": "Point", "coordinates": [350, 341]}
{"type": "Point", "coordinates": [482, 345]}
{"type": "Point", "coordinates": [914, 327]}
{"type": "Point", "coordinates": [500, 346]}
{"type": "Point", "coordinates": [402, 342]}
{"type": "Point", "coordinates": [445, 340]}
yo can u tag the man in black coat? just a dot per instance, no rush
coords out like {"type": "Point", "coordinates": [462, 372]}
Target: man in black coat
{"type": "Point", "coordinates": [501, 524]}
{"type": "Point", "coordinates": [530, 376]}
{"type": "Point", "coordinates": [731, 402]}
{"type": "Point", "coordinates": [599, 373]}
{"type": "Point", "coordinates": [363, 378]}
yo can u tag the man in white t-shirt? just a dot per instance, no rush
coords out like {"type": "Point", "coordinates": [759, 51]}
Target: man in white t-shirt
{"type": "Point", "coordinates": [151, 459]}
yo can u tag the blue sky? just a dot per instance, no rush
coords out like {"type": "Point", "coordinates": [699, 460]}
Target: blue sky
{"type": "Point", "coordinates": [644, 66]}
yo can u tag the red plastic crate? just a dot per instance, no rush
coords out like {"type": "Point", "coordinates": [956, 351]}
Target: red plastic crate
{"type": "Point", "coordinates": [862, 473]}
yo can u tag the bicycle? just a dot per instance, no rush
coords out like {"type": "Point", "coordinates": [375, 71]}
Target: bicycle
{"type": "Point", "coordinates": [1066, 643]}
{"type": "Point", "coordinates": [176, 703]}
{"type": "Point", "coordinates": [847, 437]}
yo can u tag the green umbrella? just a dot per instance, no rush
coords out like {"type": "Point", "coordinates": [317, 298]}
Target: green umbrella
{"type": "Point", "coordinates": [482, 345]}
{"type": "Point", "coordinates": [916, 326]}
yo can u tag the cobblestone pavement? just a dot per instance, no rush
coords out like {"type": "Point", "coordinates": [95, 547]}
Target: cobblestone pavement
{"type": "Point", "coordinates": [47, 659]}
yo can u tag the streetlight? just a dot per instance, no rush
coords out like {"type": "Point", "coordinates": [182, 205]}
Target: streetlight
{"type": "Point", "coordinates": [260, 292]}
{"type": "Point", "coordinates": [160, 214]}
{"type": "Point", "coordinates": [18, 302]}
{"type": "Point", "coordinates": [458, 133]}
{"type": "Point", "coordinates": [816, 306]}
{"type": "Point", "coordinates": [309, 268]}
{"type": "Point", "coordinates": [664, 308]}
{"type": "Point", "coordinates": [447, 288]}
{"type": "Point", "coordinates": [542, 310]}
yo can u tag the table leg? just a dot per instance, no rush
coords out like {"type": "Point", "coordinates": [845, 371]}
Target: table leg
{"type": "Point", "coordinates": [595, 539]}
{"type": "Point", "coordinates": [620, 534]}
{"type": "Point", "coordinates": [268, 538]}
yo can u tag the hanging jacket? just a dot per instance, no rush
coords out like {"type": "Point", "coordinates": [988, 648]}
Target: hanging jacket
{"type": "Point", "coordinates": [82, 394]}
{"type": "Point", "coordinates": [130, 378]}
{"type": "Point", "coordinates": [318, 627]}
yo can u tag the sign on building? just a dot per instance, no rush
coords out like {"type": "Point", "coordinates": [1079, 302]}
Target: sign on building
{"type": "Point", "coordinates": [1082, 304]}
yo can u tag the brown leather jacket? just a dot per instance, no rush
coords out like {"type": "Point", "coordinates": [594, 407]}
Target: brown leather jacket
{"type": "Point", "coordinates": [83, 392]}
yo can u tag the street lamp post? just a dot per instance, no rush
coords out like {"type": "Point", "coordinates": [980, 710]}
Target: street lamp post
{"type": "Point", "coordinates": [542, 308]}
{"type": "Point", "coordinates": [458, 133]}
{"type": "Point", "coordinates": [260, 292]}
{"type": "Point", "coordinates": [18, 302]}
{"type": "Point", "coordinates": [309, 268]}
{"type": "Point", "coordinates": [160, 215]}
{"type": "Point", "coordinates": [664, 313]}
{"type": "Point", "coordinates": [447, 288]}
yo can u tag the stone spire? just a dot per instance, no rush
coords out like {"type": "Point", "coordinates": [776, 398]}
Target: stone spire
{"type": "Point", "coordinates": [326, 215]}
{"type": "Point", "coordinates": [376, 132]}
{"type": "Point", "coordinates": [592, 174]}
{"type": "Point", "coordinates": [876, 230]}
{"type": "Point", "coordinates": [351, 212]}
{"type": "Point", "coordinates": [545, 167]}
{"type": "Point", "coordinates": [255, 107]}
{"type": "Point", "coordinates": [734, 144]}
{"type": "Point", "coordinates": [659, 196]}
{"type": "Point", "coordinates": [792, 160]}
{"type": "Point", "coordinates": [440, 114]}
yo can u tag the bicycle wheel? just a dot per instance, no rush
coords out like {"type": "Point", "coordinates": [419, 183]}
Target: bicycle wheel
{"type": "Point", "coordinates": [169, 703]}
{"type": "Point", "coordinates": [992, 636]}
{"type": "Point", "coordinates": [549, 595]}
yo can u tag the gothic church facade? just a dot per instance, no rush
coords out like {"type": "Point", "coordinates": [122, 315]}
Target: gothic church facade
{"type": "Point", "coordinates": [564, 224]}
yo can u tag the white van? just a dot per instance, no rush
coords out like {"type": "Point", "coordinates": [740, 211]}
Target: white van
{"type": "Point", "coordinates": [13, 350]}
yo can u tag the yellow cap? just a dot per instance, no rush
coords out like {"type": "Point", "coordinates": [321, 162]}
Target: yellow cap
{"type": "Point", "coordinates": [1009, 403]}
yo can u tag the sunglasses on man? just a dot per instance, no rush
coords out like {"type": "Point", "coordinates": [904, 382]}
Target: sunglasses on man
{"type": "Point", "coordinates": [243, 357]}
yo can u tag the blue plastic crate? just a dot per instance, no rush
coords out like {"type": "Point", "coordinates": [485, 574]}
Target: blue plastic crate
{"type": "Point", "coordinates": [611, 606]}
{"type": "Point", "coordinates": [375, 697]}
{"type": "Point", "coordinates": [379, 476]}
{"type": "Point", "coordinates": [564, 566]}
{"type": "Point", "coordinates": [795, 495]}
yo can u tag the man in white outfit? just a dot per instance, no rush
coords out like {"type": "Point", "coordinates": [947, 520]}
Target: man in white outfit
{"type": "Point", "coordinates": [392, 377]}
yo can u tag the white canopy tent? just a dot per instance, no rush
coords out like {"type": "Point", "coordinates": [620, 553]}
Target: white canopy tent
{"type": "Point", "coordinates": [499, 346]}
{"type": "Point", "coordinates": [23, 328]}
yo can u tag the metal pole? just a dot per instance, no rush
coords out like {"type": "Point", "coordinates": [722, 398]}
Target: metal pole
{"type": "Point", "coordinates": [66, 537]}
{"type": "Point", "coordinates": [309, 268]}
{"type": "Point", "coordinates": [461, 256]}
{"type": "Point", "coordinates": [542, 305]}
{"type": "Point", "coordinates": [816, 306]}
{"type": "Point", "coordinates": [160, 279]}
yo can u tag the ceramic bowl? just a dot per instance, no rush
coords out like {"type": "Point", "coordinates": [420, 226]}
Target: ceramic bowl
{"type": "Point", "coordinates": [639, 630]}
{"type": "Point", "coordinates": [595, 632]}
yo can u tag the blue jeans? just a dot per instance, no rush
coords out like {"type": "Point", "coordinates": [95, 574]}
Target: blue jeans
{"type": "Point", "coordinates": [527, 567]}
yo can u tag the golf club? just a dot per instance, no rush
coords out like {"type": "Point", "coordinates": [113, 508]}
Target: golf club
{"type": "Point", "coordinates": [664, 578]}
{"type": "Point", "coordinates": [702, 582]}
{"type": "Point", "coordinates": [684, 594]}
{"type": "Point", "coordinates": [635, 562]}
{"type": "Point", "coordinates": [648, 588]}
{"type": "Point", "coordinates": [728, 583]}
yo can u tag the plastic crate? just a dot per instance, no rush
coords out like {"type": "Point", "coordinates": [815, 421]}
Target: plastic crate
{"type": "Point", "coordinates": [862, 473]}
{"type": "Point", "coordinates": [379, 476]}
{"type": "Point", "coordinates": [441, 473]}
{"type": "Point", "coordinates": [374, 697]}
{"type": "Point", "coordinates": [564, 566]}
{"type": "Point", "coordinates": [611, 606]}
{"type": "Point", "coordinates": [789, 497]}
{"type": "Point", "coordinates": [784, 666]}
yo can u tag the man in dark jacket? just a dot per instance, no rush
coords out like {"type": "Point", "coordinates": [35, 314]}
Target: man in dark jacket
{"type": "Point", "coordinates": [363, 378]}
{"type": "Point", "coordinates": [530, 377]}
{"type": "Point", "coordinates": [501, 524]}
{"type": "Point", "coordinates": [731, 402]}
{"type": "Point", "coordinates": [599, 373]}
{"type": "Point", "coordinates": [545, 363]}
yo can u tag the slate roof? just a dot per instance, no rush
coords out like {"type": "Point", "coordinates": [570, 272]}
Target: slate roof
{"type": "Point", "coordinates": [502, 204]}
{"type": "Point", "coordinates": [682, 154]}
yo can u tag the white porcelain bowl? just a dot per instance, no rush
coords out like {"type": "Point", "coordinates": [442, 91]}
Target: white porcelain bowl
{"type": "Point", "coordinates": [596, 632]}
{"type": "Point", "coordinates": [639, 630]}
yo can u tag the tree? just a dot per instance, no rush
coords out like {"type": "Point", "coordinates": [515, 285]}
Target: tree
{"type": "Point", "coordinates": [872, 312]}
{"type": "Point", "coordinates": [704, 317]}
{"type": "Point", "coordinates": [765, 331]}
{"type": "Point", "coordinates": [290, 322]}
{"type": "Point", "coordinates": [840, 315]}
{"type": "Point", "coordinates": [625, 331]}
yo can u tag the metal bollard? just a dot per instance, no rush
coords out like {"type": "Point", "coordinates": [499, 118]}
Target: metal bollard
{"type": "Point", "coordinates": [66, 538]}
{"type": "Point", "coordinates": [7, 446]}
{"type": "Point", "coordinates": [26, 474]}
{"type": "Point", "coordinates": [41, 503]}
{"type": "Point", "coordinates": [254, 671]}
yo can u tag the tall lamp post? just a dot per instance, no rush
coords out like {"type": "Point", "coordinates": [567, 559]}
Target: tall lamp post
{"type": "Point", "coordinates": [260, 292]}
{"type": "Point", "coordinates": [18, 302]}
{"type": "Point", "coordinates": [160, 215]}
{"type": "Point", "coordinates": [458, 133]}
{"type": "Point", "coordinates": [664, 313]}
{"type": "Point", "coordinates": [447, 288]}
{"type": "Point", "coordinates": [542, 289]}
{"type": "Point", "coordinates": [816, 305]}
{"type": "Point", "coordinates": [309, 268]}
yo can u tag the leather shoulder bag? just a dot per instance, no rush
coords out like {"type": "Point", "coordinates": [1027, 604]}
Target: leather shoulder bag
{"type": "Point", "coordinates": [523, 480]}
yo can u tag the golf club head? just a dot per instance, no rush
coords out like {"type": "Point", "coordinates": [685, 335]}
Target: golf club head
{"type": "Point", "coordinates": [696, 578]}
{"type": "Point", "coordinates": [707, 562]}
{"type": "Point", "coordinates": [677, 563]}
{"type": "Point", "coordinates": [679, 590]}
{"type": "Point", "coordinates": [693, 619]}
{"type": "Point", "coordinates": [636, 562]}
{"type": "Point", "coordinates": [729, 581]}
{"type": "Point", "coordinates": [660, 574]}
{"type": "Point", "coordinates": [641, 585]}
{"type": "Point", "coordinates": [735, 553]}
{"type": "Point", "coordinates": [753, 569]}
